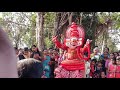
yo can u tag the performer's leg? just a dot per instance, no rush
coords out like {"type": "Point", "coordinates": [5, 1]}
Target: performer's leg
{"type": "Point", "coordinates": [60, 72]}
{"type": "Point", "coordinates": [81, 74]}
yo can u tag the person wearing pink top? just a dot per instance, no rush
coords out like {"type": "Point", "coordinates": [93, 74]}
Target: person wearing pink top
{"type": "Point", "coordinates": [117, 74]}
{"type": "Point", "coordinates": [112, 69]}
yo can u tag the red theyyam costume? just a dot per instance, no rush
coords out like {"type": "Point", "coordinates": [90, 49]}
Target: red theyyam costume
{"type": "Point", "coordinates": [73, 66]}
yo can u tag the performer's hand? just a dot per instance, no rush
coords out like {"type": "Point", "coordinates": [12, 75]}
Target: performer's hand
{"type": "Point", "coordinates": [54, 39]}
{"type": "Point", "coordinates": [88, 42]}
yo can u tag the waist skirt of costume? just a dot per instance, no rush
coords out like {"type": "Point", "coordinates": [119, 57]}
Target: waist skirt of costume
{"type": "Point", "coordinates": [70, 71]}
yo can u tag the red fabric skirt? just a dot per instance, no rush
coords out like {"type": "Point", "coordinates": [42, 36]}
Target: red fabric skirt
{"type": "Point", "coordinates": [61, 72]}
{"type": "Point", "coordinates": [72, 65]}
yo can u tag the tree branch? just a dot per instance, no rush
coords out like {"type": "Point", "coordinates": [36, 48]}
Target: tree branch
{"type": "Point", "coordinates": [8, 21]}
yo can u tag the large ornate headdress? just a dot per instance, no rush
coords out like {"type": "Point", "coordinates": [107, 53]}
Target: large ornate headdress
{"type": "Point", "coordinates": [76, 31]}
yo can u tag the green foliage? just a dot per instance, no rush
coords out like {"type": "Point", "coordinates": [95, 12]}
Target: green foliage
{"type": "Point", "coordinates": [111, 45]}
{"type": "Point", "coordinates": [49, 19]}
{"type": "Point", "coordinates": [48, 43]}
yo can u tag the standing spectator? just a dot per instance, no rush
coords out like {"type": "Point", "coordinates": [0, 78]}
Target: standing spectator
{"type": "Point", "coordinates": [61, 57]}
{"type": "Point", "coordinates": [26, 53]}
{"type": "Point", "coordinates": [52, 63]}
{"type": "Point", "coordinates": [87, 68]}
{"type": "Point", "coordinates": [117, 75]}
{"type": "Point", "coordinates": [56, 57]}
{"type": "Point", "coordinates": [92, 68]}
{"type": "Point", "coordinates": [119, 53]}
{"type": "Point", "coordinates": [106, 50]}
{"type": "Point", "coordinates": [98, 70]}
{"type": "Point", "coordinates": [34, 51]}
{"type": "Point", "coordinates": [107, 60]}
{"type": "Point", "coordinates": [20, 55]}
{"type": "Point", "coordinates": [95, 54]}
{"type": "Point", "coordinates": [17, 53]}
{"type": "Point", "coordinates": [29, 68]}
{"type": "Point", "coordinates": [116, 54]}
{"type": "Point", "coordinates": [46, 66]}
{"type": "Point", "coordinates": [112, 69]}
{"type": "Point", "coordinates": [36, 56]}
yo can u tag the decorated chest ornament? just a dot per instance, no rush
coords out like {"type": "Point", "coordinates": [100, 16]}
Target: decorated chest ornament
{"type": "Point", "coordinates": [74, 36]}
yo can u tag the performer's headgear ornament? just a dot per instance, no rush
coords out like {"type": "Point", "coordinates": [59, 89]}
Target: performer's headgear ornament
{"type": "Point", "coordinates": [76, 31]}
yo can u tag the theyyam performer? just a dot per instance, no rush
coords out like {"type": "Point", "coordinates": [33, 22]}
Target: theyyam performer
{"type": "Point", "coordinates": [73, 66]}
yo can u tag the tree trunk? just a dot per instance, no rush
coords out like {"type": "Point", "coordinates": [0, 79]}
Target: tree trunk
{"type": "Point", "coordinates": [56, 24]}
{"type": "Point", "coordinates": [70, 18]}
{"type": "Point", "coordinates": [16, 44]}
{"type": "Point", "coordinates": [40, 31]}
{"type": "Point", "coordinates": [33, 34]}
{"type": "Point", "coordinates": [81, 16]}
{"type": "Point", "coordinates": [103, 44]}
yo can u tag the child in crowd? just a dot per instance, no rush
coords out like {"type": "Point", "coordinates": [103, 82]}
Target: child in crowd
{"type": "Point", "coordinates": [99, 68]}
{"type": "Point", "coordinates": [92, 68]}
{"type": "Point", "coordinates": [102, 74]}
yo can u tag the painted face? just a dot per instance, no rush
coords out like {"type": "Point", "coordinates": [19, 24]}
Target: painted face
{"type": "Point", "coordinates": [73, 42]}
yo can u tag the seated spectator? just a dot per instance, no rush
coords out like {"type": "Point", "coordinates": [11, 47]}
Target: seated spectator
{"type": "Point", "coordinates": [29, 68]}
